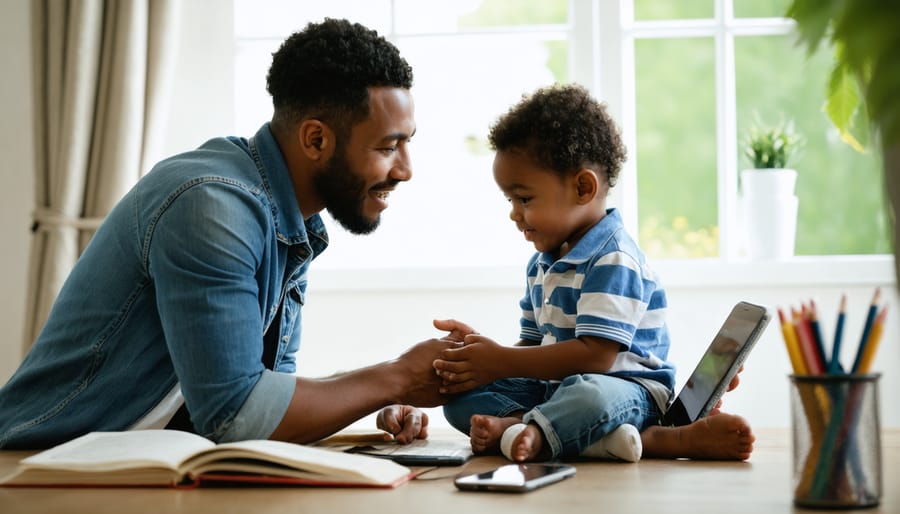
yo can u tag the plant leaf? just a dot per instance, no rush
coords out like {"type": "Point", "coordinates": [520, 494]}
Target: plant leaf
{"type": "Point", "coordinates": [813, 18]}
{"type": "Point", "coordinates": [842, 102]}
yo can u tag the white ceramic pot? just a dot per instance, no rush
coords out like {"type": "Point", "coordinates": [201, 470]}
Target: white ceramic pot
{"type": "Point", "coordinates": [770, 212]}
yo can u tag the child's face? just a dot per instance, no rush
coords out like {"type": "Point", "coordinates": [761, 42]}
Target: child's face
{"type": "Point", "coordinates": [544, 206]}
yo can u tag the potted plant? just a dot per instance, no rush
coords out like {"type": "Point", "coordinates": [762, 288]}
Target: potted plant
{"type": "Point", "coordinates": [767, 190]}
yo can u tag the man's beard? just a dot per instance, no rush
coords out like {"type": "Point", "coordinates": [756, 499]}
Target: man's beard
{"type": "Point", "coordinates": [344, 193]}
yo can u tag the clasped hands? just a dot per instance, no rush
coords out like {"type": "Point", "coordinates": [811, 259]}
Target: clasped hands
{"type": "Point", "coordinates": [476, 360]}
{"type": "Point", "coordinates": [462, 363]}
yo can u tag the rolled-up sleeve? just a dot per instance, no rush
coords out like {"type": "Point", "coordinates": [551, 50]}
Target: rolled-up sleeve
{"type": "Point", "coordinates": [264, 408]}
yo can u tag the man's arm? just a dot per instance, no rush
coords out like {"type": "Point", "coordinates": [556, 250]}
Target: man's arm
{"type": "Point", "coordinates": [321, 407]}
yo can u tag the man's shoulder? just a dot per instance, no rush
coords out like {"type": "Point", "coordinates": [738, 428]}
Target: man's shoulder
{"type": "Point", "coordinates": [225, 157]}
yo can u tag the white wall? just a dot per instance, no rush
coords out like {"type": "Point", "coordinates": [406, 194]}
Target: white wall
{"type": "Point", "coordinates": [391, 309]}
{"type": "Point", "coordinates": [357, 318]}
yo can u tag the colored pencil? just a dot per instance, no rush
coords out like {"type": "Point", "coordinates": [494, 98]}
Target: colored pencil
{"type": "Point", "coordinates": [872, 342]}
{"type": "Point", "coordinates": [816, 330]}
{"type": "Point", "coordinates": [807, 345]}
{"type": "Point", "coordinates": [834, 366]}
{"type": "Point", "coordinates": [870, 320]}
{"type": "Point", "coordinates": [790, 341]}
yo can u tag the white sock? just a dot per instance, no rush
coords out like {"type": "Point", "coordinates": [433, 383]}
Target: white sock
{"type": "Point", "coordinates": [509, 435]}
{"type": "Point", "coordinates": [623, 443]}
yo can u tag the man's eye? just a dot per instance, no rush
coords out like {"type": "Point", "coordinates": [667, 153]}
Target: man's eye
{"type": "Point", "coordinates": [388, 149]}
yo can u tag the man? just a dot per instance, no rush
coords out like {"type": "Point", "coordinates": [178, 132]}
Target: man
{"type": "Point", "coordinates": [184, 310]}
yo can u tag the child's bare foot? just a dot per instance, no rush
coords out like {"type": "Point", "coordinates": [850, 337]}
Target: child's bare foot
{"type": "Point", "coordinates": [486, 431]}
{"type": "Point", "coordinates": [718, 437]}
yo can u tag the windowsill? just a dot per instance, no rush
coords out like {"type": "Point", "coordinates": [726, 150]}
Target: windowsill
{"type": "Point", "coordinates": [851, 270]}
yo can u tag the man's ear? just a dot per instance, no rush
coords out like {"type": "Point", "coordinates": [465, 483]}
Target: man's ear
{"type": "Point", "coordinates": [316, 139]}
{"type": "Point", "coordinates": [588, 185]}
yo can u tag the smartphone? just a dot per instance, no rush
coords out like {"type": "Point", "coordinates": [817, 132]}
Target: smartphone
{"type": "Point", "coordinates": [719, 364]}
{"type": "Point", "coordinates": [515, 478]}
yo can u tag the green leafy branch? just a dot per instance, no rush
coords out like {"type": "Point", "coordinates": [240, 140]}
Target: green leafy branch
{"type": "Point", "coordinates": [866, 78]}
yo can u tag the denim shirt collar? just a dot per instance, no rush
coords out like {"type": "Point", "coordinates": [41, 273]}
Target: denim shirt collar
{"type": "Point", "coordinates": [290, 226]}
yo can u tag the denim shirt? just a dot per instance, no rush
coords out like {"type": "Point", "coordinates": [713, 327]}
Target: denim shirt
{"type": "Point", "coordinates": [179, 285]}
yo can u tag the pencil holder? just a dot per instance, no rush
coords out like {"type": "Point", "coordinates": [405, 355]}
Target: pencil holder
{"type": "Point", "coordinates": [836, 432]}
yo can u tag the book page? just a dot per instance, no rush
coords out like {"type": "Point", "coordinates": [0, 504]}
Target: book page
{"type": "Point", "coordinates": [325, 463]}
{"type": "Point", "coordinates": [111, 451]}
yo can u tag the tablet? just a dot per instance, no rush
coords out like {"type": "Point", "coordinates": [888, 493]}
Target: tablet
{"type": "Point", "coordinates": [719, 365]}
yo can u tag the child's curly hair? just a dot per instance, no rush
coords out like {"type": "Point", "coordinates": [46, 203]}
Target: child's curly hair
{"type": "Point", "coordinates": [563, 129]}
{"type": "Point", "coordinates": [325, 70]}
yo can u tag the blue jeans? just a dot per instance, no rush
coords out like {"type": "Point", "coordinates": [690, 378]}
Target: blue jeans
{"type": "Point", "coordinates": [573, 414]}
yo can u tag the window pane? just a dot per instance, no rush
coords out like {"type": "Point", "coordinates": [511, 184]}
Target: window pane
{"type": "Point", "coordinates": [840, 191]}
{"type": "Point", "coordinates": [669, 9]}
{"type": "Point", "coordinates": [760, 8]}
{"type": "Point", "coordinates": [416, 17]}
{"type": "Point", "coordinates": [676, 147]}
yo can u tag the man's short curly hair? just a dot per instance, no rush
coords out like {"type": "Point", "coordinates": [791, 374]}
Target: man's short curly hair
{"type": "Point", "coordinates": [325, 70]}
{"type": "Point", "coordinates": [562, 128]}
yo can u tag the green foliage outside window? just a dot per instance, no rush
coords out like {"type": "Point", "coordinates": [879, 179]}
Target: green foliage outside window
{"type": "Point", "coordinates": [841, 209]}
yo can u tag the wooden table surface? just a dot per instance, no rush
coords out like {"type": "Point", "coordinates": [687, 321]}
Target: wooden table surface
{"type": "Point", "coordinates": [761, 485]}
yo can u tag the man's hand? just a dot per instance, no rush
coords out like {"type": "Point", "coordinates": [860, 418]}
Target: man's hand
{"type": "Point", "coordinates": [405, 422]}
{"type": "Point", "coordinates": [419, 384]}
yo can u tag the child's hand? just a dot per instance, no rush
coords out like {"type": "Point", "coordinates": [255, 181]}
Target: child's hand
{"type": "Point", "coordinates": [478, 362]}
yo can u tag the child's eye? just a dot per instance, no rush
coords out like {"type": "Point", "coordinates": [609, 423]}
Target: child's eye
{"type": "Point", "coordinates": [520, 199]}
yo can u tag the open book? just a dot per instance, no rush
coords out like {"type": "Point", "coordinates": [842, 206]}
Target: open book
{"type": "Point", "coordinates": [171, 458]}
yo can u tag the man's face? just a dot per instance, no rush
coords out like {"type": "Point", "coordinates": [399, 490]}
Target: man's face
{"type": "Point", "coordinates": [357, 180]}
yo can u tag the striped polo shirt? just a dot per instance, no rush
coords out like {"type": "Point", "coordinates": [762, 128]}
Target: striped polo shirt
{"type": "Point", "coordinates": [603, 288]}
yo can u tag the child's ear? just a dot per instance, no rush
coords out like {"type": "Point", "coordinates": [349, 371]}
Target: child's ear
{"type": "Point", "coordinates": [588, 184]}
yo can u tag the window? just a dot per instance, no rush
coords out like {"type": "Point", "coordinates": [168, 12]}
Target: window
{"type": "Point", "coordinates": [704, 71]}
{"type": "Point", "coordinates": [684, 79]}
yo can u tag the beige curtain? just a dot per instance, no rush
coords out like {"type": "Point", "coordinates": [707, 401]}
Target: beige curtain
{"type": "Point", "coordinates": [102, 73]}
